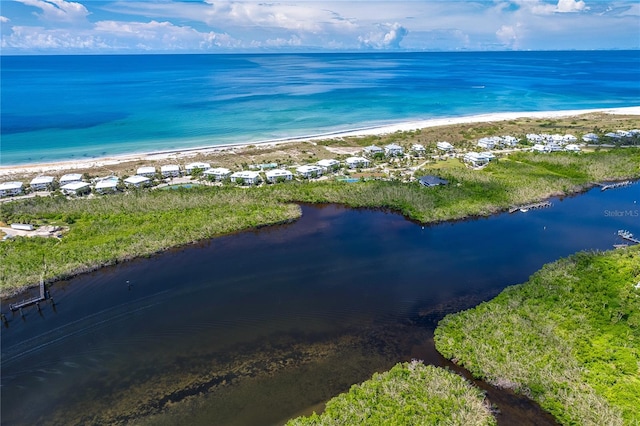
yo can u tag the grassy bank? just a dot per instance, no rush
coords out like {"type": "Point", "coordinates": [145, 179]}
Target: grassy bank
{"type": "Point", "coordinates": [410, 393]}
{"type": "Point", "coordinates": [110, 229]}
{"type": "Point", "coordinates": [569, 338]}
{"type": "Point", "coordinates": [104, 230]}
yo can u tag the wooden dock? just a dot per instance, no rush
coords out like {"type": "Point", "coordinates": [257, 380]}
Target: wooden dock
{"type": "Point", "coordinates": [626, 235]}
{"type": "Point", "coordinates": [528, 207]}
{"type": "Point", "coordinates": [605, 186]}
{"type": "Point", "coordinates": [32, 301]}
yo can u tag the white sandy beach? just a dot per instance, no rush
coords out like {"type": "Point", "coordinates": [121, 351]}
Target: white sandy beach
{"type": "Point", "coordinates": [177, 155]}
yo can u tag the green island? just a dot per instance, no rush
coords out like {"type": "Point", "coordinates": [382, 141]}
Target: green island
{"type": "Point", "coordinates": [409, 394]}
{"type": "Point", "coordinates": [569, 338]}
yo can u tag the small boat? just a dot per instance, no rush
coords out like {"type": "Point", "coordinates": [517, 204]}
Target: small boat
{"type": "Point", "coordinates": [524, 210]}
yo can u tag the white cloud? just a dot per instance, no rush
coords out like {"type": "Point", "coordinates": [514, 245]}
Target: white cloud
{"type": "Point", "coordinates": [387, 36]}
{"type": "Point", "coordinates": [39, 38]}
{"type": "Point", "coordinates": [4, 19]}
{"type": "Point", "coordinates": [509, 35]}
{"type": "Point", "coordinates": [58, 10]}
{"type": "Point", "coordinates": [565, 6]}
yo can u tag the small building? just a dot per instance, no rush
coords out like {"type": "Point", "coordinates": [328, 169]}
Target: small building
{"type": "Point", "coordinates": [189, 168]}
{"type": "Point", "coordinates": [418, 149]}
{"type": "Point", "coordinates": [372, 150]}
{"type": "Point", "coordinates": [71, 177]}
{"type": "Point", "coordinates": [393, 150]}
{"type": "Point", "coordinates": [509, 141]}
{"type": "Point", "coordinates": [329, 165]}
{"type": "Point", "coordinates": [444, 146]}
{"type": "Point", "coordinates": [170, 170]}
{"type": "Point", "coordinates": [9, 189]}
{"type": "Point", "coordinates": [476, 159]}
{"type": "Point", "coordinates": [42, 183]}
{"type": "Point", "coordinates": [357, 162]}
{"type": "Point", "coordinates": [431, 180]}
{"type": "Point", "coordinates": [147, 171]}
{"type": "Point", "coordinates": [309, 171]}
{"type": "Point", "coordinates": [75, 188]}
{"type": "Point", "coordinates": [554, 147]}
{"type": "Point", "coordinates": [22, 226]}
{"type": "Point", "coordinates": [137, 181]}
{"type": "Point", "coordinates": [487, 143]}
{"type": "Point", "coordinates": [572, 148]}
{"type": "Point", "coordinates": [246, 177]}
{"type": "Point", "coordinates": [273, 176]}
{"type": "Point", "coordinates": [534, 138]}
{"type": "Point", "coordinates": [217, 174]}
{"type": "Point", "coordinates": [107, 185]}
{"type": "Point", "coordinates": [540, 148]}
{"type": "Point", "coordinates": [590, 138]}
{"type": "Point", "coordinates": [569, 138]}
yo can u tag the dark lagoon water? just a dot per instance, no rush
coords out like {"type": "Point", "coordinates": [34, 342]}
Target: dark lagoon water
{"type": "Point", "coordinates": [254, 328]}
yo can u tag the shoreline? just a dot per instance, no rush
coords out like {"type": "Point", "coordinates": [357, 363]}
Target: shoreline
{"type": "Point", "coordinates": [175, 155]}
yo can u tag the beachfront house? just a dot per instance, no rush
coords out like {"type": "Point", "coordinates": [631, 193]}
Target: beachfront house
{"type": "Point", "coordinates": [75, 188]}
{"type": "Point", "coordinates": [572, 148]}
{"type": "Point", "coordinates": [309, 171]}
{"type": "Point", "coordinates": [590, 138]}
{"type": "Point", "coordinates": [107, 185]}
{"type": "Point", "coordinates": [147, 171]}
{"type": "Point", "coordinates": [418, 149]}
{"type": "Point", "coordinates": [476, 159]}
{"type": "Point", "coordinates": [246, 177]}
{"type": "Point", "coordinates": [70, 178]}
{"type": "Point", "coordinates": [278, 175]}
{"type": "Point", "coordinates": [170, 170]}
{"type": "Point", "coordinates": [430, 180]}
{"type": "Point", "coordinates": [357, 162]}
{"type": "Point", "coordinates": [217, 174]}
{"type": "Point", "coordinates": [137, 181]}
{"type": "Point", "coordinates": [42, 183]}
{"type": "Point", "coordinates": [569, 139]}
{"type": "Point", "coordinates": [554, 147]}
{"type": "Point", "coordinates": [510, 141]}
{"type": "Point", "coordinates": [535, 138]}
{"type": "Point", "coordinates": [393, 150]}
{"type": "Point", "coordinates": [539, 147]}
{"type": "Point", "coordinates": [372, 150]}
{"type": "Point", "coordinates": [9, 189]}
{"type": "Point", "coordinates": [489, 142]}
{"type": "Point", "coordinates": [329, 165]}
{"type": "Point", "coordinates": [444, 146]}
{"type": "Point", "coordinates": [190, 168]}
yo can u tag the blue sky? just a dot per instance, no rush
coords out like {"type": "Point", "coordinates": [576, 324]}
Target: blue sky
{"type": "Point", "coordinates": [210, 26]}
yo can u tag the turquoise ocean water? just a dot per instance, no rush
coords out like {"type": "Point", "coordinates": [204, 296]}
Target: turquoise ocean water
{"type": "Point", "coordinates": [78, 107]}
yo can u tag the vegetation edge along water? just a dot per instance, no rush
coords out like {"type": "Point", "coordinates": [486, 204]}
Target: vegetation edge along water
{"type": "Point", "coordinates": [114, 228]}
{"type": "Point", "coordinates": [568, 338]}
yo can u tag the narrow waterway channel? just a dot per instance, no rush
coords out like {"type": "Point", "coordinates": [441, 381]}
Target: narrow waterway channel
{"type": "Point", "coordinates": [254, 328]}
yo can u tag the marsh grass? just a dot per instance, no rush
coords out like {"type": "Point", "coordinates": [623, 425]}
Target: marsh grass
{"type": "Point", "coordinates": [569, 338]}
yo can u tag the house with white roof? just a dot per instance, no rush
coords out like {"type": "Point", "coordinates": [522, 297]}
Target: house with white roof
{"type": "Point", "coordinates": [137, 181]}
{"type": "Point", "coordinates": [273, 176]}
{"type": "Point", "coordinates": [71, 177]}
{"type": "Point", "coordinates": [107, 185]}
{"type": "Point", "coordinates": [534, 138]}
{"type": "Point", "coordinates": [246, 177]}
{"type": "Point", "coordinates": [572, 148]}
{"type": "Point", "coordinates": [509, 141]}
{"type": "Point", "coordinates": [590, 137]}
{"type": "Point", "coordinates": [569, 138]}
{"type": "Point", "coordinates": [309, 171]}
{"type": "Point", "coordinates": [539, 147]}
{"type": "Point", "coordinates": [393, 150]}
{"type": "Point", "coordinates": [329, 165]}
{"type": "Point", "coordinates": [476, 159]}
{"type": "Point", "coordinates": [218, 173]}
{"type": "Point", "coordinates": [357, 162]}
{"type": "Point", "coordinates": [418, 149]}
{"type": "Point", "coordinates": [9, 189]}
{"type": "Point", "coordinates": [147, 171]}
{"type": "Point", "coordinates": [170, 170]}
{"type": "Point", "coordinates": [42, 183]}
{"type": "Point", "coordinates": [372, 150]}
{"type": "Point", "coordinates": [487, 143]}
{"type": "Point", "coordinates": [189, 168]}
{"type": "Point", "coordinates": [444, 146]}
{"type": "Point", "coordinates": [75, 188]}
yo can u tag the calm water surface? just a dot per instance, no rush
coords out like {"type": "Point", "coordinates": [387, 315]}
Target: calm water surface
{"type": "Point", "coordinates": [254, 328]}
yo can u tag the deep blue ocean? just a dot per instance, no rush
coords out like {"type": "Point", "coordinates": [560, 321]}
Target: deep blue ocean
{"type": "Point", "coordinates": [77, 107]}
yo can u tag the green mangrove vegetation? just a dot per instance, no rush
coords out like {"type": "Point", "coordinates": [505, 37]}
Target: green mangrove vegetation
{"type": "Point", "coordinates": [104, 230]}
{"type": "Point", "coordinates": [408, 394]}
{"type": "Point", "coordinates": [569, 338]}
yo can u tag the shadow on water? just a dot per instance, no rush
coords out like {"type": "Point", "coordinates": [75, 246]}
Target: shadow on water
{"type": "Point", "coordinates": [258, 327]}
